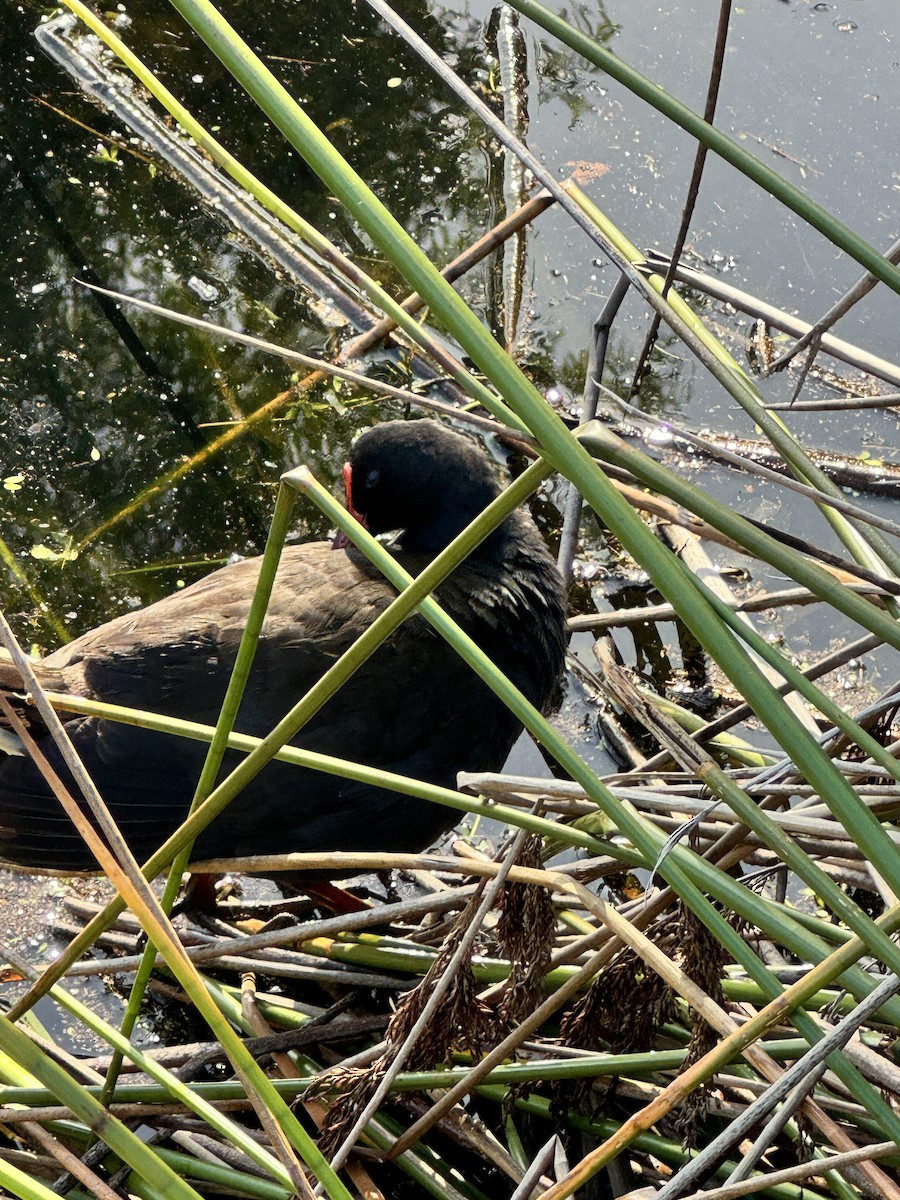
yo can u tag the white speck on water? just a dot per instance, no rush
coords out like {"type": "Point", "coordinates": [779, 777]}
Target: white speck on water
{"type": "Point", "coordinates": [207, 291]}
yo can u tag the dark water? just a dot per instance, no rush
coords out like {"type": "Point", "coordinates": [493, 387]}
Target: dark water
{"type": "Point", "coordinates": [86, 425]}
{"type": "Point", "coordinates": [88, 428]}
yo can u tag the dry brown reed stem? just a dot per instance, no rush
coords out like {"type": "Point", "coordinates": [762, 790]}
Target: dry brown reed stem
{"type": "Point", "coordinates": [69, 1161]}
{"type": "Point", "coordinates": [813, 336]}
{"type": "Point", "coordinates": [640, 912]}
{"type": "Point", "coordinates": [776, 317]}
{"type": "Point", "coordinates": [454, 270]}
{"type": "Point", "coordinates": [670, 808]}
{"type": "Point", "coordinates": [689, 549]}
{"type": "Point", "coordinates": [733, 845]}
{"type": "Point", "coordinates": [693, 189]}
{"type": "Point", "coordinates": [844, 569]}
{"type": "Point", "coordinates": [826, 837]}
{"type": "Point", "coordinates": [207, 1150]}
{"type": "Point", "coordinates": [37, 1165]}
{"type": "Point", "coordinates": [124, 1112]}
{"type": "Point", "coordinates": [224, 961]}
{"type": "Point", "coordinates": [77, 1068]}
{"type": "Point", "coordinates": [665, 612]}
{"type": "Point", "coordinates": [838, 404]}
{"type": "Point", "coordinates": [469, 1130]}
{"type": "Point", "coordinates": [213, 950]}
{"type": "Point", "coordinates": [846, 468]}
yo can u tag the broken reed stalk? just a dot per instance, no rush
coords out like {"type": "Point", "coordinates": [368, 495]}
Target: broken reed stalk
{"type": "Point", "coordinates": [777, 318]}
{"type": "Point", "coordinates": [813, 336]}
{"type": "Point", "coordinates": [796, 1174]}
{"type": "Point", "coordinates": [719, 452]}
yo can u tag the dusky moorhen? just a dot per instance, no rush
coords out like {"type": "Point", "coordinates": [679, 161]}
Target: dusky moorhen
{"type": "Point", "coordinates": [415, 707]}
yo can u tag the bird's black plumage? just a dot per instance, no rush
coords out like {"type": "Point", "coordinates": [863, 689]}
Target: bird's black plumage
{"type": "Point", "coordinates": [414, 708]}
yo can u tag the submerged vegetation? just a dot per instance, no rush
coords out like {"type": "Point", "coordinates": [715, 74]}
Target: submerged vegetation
{"type": "Point", "coordinates": [663, 968]}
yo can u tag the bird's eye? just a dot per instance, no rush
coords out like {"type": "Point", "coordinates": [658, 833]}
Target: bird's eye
{"type": "Point", "coordinates": [372, 479]}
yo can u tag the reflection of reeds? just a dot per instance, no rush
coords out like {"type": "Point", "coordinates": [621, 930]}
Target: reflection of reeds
{"type": "Point", "coordinates": [819, 805]}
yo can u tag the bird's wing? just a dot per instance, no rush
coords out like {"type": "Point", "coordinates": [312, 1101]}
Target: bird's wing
{"type": "Point", "coordinates": [176, 655]}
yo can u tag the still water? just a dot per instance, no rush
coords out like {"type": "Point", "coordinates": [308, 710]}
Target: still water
{"type": "Point", "coordinates": [92, 415]}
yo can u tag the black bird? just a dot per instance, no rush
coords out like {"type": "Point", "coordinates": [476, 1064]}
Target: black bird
{"type": "Point", "coordinates": [414, 708]}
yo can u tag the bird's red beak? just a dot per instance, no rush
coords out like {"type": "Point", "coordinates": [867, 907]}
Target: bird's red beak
{"type": "Point", "coordinates": [341, 541]}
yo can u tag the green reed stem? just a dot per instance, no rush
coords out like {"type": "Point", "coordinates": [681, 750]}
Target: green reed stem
{"type": "Point", "coordinates": [284, 504]}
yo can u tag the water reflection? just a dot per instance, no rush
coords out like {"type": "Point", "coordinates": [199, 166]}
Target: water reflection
{"type": "Point", "coordinates": [98, 404]}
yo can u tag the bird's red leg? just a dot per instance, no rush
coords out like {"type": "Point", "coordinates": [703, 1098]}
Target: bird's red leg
{"type": "Point", "coordinates": [334, 898]}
